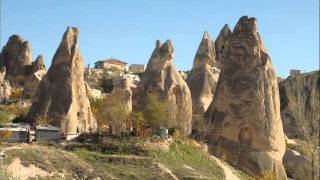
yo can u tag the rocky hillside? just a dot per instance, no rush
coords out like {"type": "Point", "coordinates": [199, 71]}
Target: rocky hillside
{"type": "Point", "coordinates": [300, 103]}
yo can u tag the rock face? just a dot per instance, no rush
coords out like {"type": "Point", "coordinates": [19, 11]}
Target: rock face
{"type": "Point", "coordinates": [297, 166]}
{"type": "Point", "coordinates": [5, 89]}
{"type": "Point", "coordinates": [204, 75]}
{"type": "Point", "coordinates": [244, 118]}
{"type": "Point", "coordinates": [300, 103]}
{"type": "Point", "coordinates": [15, 56]}
{"type": "Point", "coordinates": [162, 79]}
{"type": "Point", "coordinates": [220, 43]}
{"type": "Point", "coordinates": [38, 64]}
{"type": "Point", "coordinates": [61, 97]}
{"type": "Point", "coordinates": [33, 77]}
{"type": "Point", "coordinates": [123, 91]}
{"type": "Point", "coordinates": [30, 87]}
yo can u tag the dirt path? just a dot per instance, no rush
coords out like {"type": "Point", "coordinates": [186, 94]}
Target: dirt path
{"type": "Point", "coordinates": [228, 172]}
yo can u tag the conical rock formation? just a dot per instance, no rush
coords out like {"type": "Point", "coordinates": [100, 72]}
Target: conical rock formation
{"type": "Point", "coordinates": [244, 117]}
{"type": "Point", "coordinates": [15, 56]}
{"type": "Point", "coordinates": [220, 43]}
{"type": "Point", "coordinates": [61, 97]}
{"type": "Point", "coordinates": [204, 76]}
{"type": "Point", "coordinates": [163, 80]}
{"type": "Point", "coordinates": [38, 64]}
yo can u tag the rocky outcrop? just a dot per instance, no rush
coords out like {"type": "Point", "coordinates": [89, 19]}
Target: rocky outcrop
{"type": "Point", "coordinates": [204, 75]}
{"type": "Point", "coordinates": [297, 166]}
{"type": "Point", "coordinates": [124, 93]}
{"type": "Point", "coordinates": [61, 97]}
{"type": "Point", "coordinates": [5, 88]}
{"type": "Point", "coordinates": [300, 104]}
{"type": "Point", "coordinates": [30, 87]}
{"type": "Point", "coordinates": [35, 73]}
{"type": "Point", "coordinates": [38, 64]}
{"type": "Point", "coordinates": [244, 118]}
{"type": "Point", "coordinates": [15, 56]}
{"type": "Point", "coordinates": [220, 43]}
{"type": "Point", "coordinates": [163, 80]}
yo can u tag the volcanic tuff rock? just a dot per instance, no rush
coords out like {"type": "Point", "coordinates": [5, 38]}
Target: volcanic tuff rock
{"type": "Point", "coordinates": [204, 75]}
{"type": "Point", "coordinates": [38, 64]}
{"type": "Point", "coordinates": [33, 77]}
{"type": "Point", "coordinates": [162, 79]}
{"type": "Point", "coordinates": [300, 103]}
{"type": "Point", "coordinates": [15, 56]}
{"type": "Point", "coordinates": [220, 42]}
{"type": "Point", "coordinates": [5, 89]}
{"type": "Point", "coordinates": [123, 91]}
{"type": "Point", "coordinates": [297, 166]}
{"type": "Point", "coordinates": [30, 87]}
{"type": "Point", "coordinates": [244, 117]}
{"type": "Point", "coordinates": [61, 97]}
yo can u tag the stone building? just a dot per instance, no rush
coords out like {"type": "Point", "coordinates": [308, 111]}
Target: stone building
{"type": "Point", "coordinates": [112, 63]}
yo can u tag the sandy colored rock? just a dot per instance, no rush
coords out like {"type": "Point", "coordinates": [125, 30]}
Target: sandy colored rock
{"type": "Point", "coordinates": [30, 87]}
{"type": "Point", "coordinates": [163, 80]}
{"type": "Point", "coordinates": [297, 166]}
{"type": "Point", "coordinates": [220, 43]}
{"type": "Point", "coordinates": [5, 88]}
{"type": "Point", "coordinates": [15, 56]}
{"type": "Point", "coordinates": [244, 118]}
{"type": "Point", "coordinates": [123, 91]}
{"type": "Point", "coordinates": [38, 64]}
{"type": "Point", "coordinates": [204, 75]}
{"type": "Point", "coordinates": [61, 97]}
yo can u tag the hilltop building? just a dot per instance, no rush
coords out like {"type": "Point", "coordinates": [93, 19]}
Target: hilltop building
{"type": "Point", "coordinates": [112, 63]}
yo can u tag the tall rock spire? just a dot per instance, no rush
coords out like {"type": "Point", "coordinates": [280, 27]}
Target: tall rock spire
{"type": "Point", "coordinates": [220, 43]}
{"type": "Point", "coordinates": [162, 80]}
{"type": "Point", "coordinates": [61, 97]}
{"type": "Point", "coordinates": [204, 76]}
{"type": "Point", "coordinates": [244, 121]}
{"type": "Point", "coordinates": [15, 55]}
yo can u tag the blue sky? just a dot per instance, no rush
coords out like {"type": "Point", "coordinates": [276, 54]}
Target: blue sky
{"type": "Point", "coordinates": [128, 30]}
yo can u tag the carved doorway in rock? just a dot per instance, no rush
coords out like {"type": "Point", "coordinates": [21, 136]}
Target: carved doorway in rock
{"type": "Point", "coordinates": [245, 140]}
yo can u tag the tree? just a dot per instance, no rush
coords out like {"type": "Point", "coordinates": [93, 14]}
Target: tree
{"type": "Point", "coordinates": [138, 121]}
{"type": "Point", "coordinates": [110, 111]}
{"type": "Point", "coordinates": [157, 113]}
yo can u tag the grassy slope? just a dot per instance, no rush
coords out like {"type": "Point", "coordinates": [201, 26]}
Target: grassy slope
{"type": "Point", "coordinates": [124, 160]}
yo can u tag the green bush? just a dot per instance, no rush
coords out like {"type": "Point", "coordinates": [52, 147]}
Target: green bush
{"type": "Point", "coordinates": [5, 117]}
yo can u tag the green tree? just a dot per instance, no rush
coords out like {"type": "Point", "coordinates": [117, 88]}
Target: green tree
{"type": "Point", "coordinates": [138, 121]}
{"type": "Point", "coordinates": [110, 111]}
{"type": "Point", "coordinates": [157, 113]}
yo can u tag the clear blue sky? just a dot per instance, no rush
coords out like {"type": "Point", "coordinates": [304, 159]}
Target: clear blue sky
{"type": "Point", "coordinates": [128, 29]}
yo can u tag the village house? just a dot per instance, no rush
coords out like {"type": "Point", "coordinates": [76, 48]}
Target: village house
{"type": "Point", "coordinates": [112, 63]}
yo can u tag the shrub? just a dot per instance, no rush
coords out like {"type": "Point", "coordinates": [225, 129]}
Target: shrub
{"type": "Point", "coordinates": [5, 117]}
